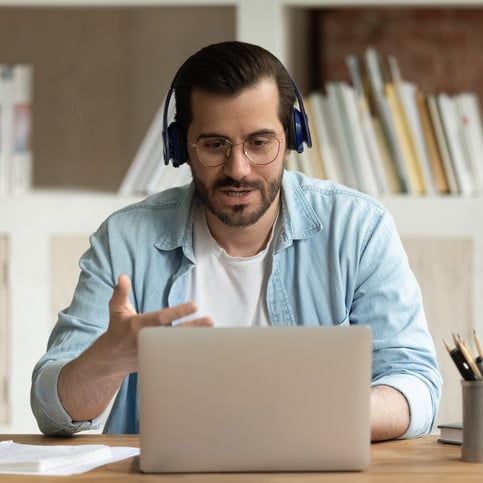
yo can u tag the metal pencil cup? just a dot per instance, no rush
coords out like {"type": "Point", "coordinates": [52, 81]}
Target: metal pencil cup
{"type": "Point", "coordinates": [472, 449]}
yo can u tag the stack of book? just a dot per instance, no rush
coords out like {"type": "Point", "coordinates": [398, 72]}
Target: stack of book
{"type": "Point", "coordinates": [15, 128]}
{"type": "Point", "coordinates": [380, 134]}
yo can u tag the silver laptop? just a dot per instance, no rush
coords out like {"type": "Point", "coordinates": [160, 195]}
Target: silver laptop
{"type": "Point", "coordinates": [254, 399]}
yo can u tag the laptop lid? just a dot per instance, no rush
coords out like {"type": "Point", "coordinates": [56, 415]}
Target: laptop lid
{"type": "Point", "coordinates": [254, 399]}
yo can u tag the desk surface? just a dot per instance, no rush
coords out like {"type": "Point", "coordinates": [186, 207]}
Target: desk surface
{"type": "Point", "coordinates": [406, 461]}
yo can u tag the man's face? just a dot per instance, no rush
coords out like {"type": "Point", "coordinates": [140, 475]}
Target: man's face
{"type": "Point", "coordinates": [237, 192]}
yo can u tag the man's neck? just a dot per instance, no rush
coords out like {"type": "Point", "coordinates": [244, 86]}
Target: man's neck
{"type": "Point", "coordinates": [244, 241]}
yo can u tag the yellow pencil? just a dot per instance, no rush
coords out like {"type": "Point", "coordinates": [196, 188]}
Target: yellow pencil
{"type": "Point", "coordinates": [478, 344]}
{"type": "Point", "coordinates": [469, 360]}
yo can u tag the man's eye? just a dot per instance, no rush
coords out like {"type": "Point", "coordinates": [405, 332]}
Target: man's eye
{"type": "Point", "coordinates": [259, 143]}
{"type": "Point", "coordinates": [215, 144]}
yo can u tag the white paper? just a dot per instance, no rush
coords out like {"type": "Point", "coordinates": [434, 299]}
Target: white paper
{"type": "Point", "coordinates": [47, 460]}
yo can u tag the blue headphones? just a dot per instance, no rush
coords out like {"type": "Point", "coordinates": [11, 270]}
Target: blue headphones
{"type": "Point", "coordinates": [298, 131]}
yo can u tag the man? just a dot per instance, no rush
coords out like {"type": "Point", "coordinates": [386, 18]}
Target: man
{"type": "Point", "coordinates": [246, 243]}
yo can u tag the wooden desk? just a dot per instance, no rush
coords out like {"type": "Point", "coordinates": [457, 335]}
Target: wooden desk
{"type": "Point", "coordinates": [407, 461]}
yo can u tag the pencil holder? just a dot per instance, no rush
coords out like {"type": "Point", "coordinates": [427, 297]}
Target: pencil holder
{"type": "Point", "coordinates": [472, 448]}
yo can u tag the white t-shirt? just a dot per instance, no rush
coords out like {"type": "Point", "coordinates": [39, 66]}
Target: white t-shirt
{"type": "Point", "coordinates": [230, 290]}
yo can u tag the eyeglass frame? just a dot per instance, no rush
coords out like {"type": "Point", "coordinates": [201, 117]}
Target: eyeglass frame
{"type": "Point", "coordinates": [231, 144]}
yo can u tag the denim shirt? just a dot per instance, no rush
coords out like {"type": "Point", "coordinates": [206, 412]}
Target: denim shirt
{"type": "Point", "coordinates": [337, 260]}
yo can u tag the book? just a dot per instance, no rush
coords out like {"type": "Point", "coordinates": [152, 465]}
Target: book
{"type": "Point", "coordinates": [6, 127]}
{"type": "Point", "coordinates": [361, 157]}
{"type": "Point", "coordinates": [383, 112]}
{"type": "Point", "coordinates": [405, 140]}
{"type": "Point", "coordinates": [374, 147]}
{"type": "Point", "coordinates": [312, 160]}
{"type": "Point", "coordinates": [341, 133]}
{"type": "Point", "coordinates": [451, 433]}
{"type": "Point", "coordinates": [330, 155]}
{"type": "Point", "coordinates": [148, 158]}
{"type": "Point", "coordinates": [434, 153]}
{"type": "Point", "coordinates": [387, 161]}
{"type": "Point", "coordinates": [408, 92]}
{"type": "Point", "coordinates": [461, 163]}
{"type": "Point", "coordinates": [22, 158]}
{"type": "Point", "coordinates": [29, 458]}
{"type": "Point", "coordinates": [435, 116]}
{"type": "Point", "coordinates": [468, 107]}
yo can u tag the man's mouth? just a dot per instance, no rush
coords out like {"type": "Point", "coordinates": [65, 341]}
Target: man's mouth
{"type": "Point", "coordinates": [237, 193]}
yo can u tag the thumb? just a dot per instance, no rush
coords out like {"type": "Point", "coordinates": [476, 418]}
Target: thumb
{"type": "Point", "coordinates": [120, 298]}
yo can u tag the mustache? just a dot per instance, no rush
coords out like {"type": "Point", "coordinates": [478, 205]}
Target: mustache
{"type": "Point", "coordinates": [228, 182]}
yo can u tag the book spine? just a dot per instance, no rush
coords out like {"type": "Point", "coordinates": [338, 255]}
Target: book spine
{"type": "Point", "coordinates": [6, 127]}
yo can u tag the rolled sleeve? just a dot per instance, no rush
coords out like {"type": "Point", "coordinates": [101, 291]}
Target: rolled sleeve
{"type": "Point", "coordinates": [422, 405]}
{"type": "Point", "coordinates": [51, 416]}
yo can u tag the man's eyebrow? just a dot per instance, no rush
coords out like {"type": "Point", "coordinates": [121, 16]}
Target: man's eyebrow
{"type": "Point", "coordinates": [260, 132]}
{"type": "Point", "coordinates": [211, 135]}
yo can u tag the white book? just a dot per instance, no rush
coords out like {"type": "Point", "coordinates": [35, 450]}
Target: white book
{"type": "Point", "coordinates": [361, 158]}
{"type": "Point", "coordinates": [22, 156]}
{"type": "Point", "coordinates": [6, 127]}
{"type": "Point", "coordinates": [148, 158]}
{"type": "Point", "coordinates": [453, 131]}
{"type": "Point", "coordinates": [340, 130]}
{"type": "Point", "coordinates": [328, 147]}
{"type": "Point", "coordinates": [468, 106]}
{"type": "Point", "coordinates": [172, 177]}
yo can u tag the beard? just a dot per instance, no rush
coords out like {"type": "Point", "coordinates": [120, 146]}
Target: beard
{"type": "Point", "coordinates": [239, 215]}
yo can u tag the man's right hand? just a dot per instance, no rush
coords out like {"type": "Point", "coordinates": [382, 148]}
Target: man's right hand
{"type": "Point", "coordinates": [87, 384]}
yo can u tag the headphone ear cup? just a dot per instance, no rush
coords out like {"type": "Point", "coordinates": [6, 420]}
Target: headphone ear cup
{"type": "Point", "coordinates": [173, 145]}
{"type": "Point", "coordinates": [299, 136]}
{"type": "Point", "coordinates": [300, 127]}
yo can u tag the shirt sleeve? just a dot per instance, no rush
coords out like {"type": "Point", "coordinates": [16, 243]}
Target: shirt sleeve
{"type": "Point", "coordinates": [388, 298]}
{"type": "Point", "coordinates": [51, 416]}
{"type": "Point", "coordinates": [421, 407]}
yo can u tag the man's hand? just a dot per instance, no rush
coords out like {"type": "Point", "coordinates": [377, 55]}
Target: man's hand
{"type": "Point", "coordinates": [87, 384]}
{"type": "Point", "coordinates": [120, 340]}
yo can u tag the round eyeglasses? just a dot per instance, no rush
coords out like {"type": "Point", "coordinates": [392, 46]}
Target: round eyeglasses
{"type": "Point", "coordinates": [260, 149]}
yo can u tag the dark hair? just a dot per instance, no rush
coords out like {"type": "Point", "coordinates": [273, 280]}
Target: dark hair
{"type": "Point", "coordinates": [227, 68]}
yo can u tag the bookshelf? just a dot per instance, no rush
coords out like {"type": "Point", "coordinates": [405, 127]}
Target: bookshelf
{"type": "Point", "coordinates": [42, 232]}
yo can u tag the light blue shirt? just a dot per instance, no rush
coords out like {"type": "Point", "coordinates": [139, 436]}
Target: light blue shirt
{"type": "Point", "coordinates": [338, 260]}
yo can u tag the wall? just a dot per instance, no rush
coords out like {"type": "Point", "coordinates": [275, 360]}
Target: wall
{"type": "Point", "coordinates": [100, 74]}
{"type": "Point", "coordinates": [438, 48]}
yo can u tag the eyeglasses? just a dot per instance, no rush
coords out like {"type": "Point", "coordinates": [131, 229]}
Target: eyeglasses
{"type": "Point", "coordinates": [260, 149]}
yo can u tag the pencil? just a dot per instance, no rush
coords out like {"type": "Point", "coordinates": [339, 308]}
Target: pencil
{"type": "Point", "coordinates": [469, 360]}
{"type": "Point", "coordinates": [464, 369]}
{"type": "Point", "coordinates": [478, 344]}
{"type": "Point", "coordinates": [448, 348]}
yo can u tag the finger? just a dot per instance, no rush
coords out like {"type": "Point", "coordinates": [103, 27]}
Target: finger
{"type": "Point", "coordinates": [169, 315]}
{"type": "Point", "coordinates": [120, 298]}
{"type": "Point", "coordinates": [202, 322]}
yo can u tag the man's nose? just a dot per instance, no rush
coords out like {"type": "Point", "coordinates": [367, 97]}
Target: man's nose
{"type": "Point", "coordinates": [237, 165]}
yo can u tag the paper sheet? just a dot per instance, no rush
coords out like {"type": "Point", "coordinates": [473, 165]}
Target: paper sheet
{"type": "Point", "coordinates": [9, 451]}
